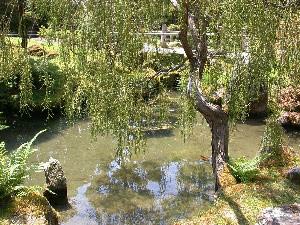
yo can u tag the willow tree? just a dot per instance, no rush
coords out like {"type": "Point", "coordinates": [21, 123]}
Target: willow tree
{"type": "Point", "coordinates": [240, 46]}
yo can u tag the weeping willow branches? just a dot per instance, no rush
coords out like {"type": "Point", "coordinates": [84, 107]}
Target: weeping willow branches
{"type": "Point", "coordinates": [249, 45]}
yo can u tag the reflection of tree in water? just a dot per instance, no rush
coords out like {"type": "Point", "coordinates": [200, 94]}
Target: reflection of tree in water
{"type": "Point", "coordinates": [148, 192]}
{"type": "Point", "coordinates": [195, 179]}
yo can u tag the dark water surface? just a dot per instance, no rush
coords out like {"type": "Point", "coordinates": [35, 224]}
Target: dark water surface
{"type": "Point", "coordinates": [168, 182]}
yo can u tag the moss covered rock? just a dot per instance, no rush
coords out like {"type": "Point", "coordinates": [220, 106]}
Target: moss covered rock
{"type": "Point", "coordinates": [32, 209]}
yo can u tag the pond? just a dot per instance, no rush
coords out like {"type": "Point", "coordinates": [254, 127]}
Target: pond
{"type": "Point", "coordinates": [169, 181]}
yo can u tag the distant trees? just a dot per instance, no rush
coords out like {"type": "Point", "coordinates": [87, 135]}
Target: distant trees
{"type": "Point", "coordinates": [8, 13]}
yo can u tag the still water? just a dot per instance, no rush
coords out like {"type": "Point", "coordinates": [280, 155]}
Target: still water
{"type": "Point", "coordinates": [170, 181]}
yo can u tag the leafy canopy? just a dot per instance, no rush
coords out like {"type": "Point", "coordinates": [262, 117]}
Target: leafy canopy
{"type": "Point", "coordinates": [101, 56]}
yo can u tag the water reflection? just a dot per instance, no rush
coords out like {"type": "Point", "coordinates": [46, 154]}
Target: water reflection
{"type": "Point", "coordinates": [167, 182]}
{"type": "Point", "coordinates": [143, 192]}
{"type": "Point", "coordinates": [85, 212]}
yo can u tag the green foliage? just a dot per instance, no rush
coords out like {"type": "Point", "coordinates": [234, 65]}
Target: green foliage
{"type": "Point", "coordinates": [273, 137]}
{"type": "Point", "coordinates": [174, 27]}
{"type": "Point", "coordinates": [45, 90]}
{"type": "Point", "coordinates": [9, 12]}
{"type": "Point", "coordinates": [159, 61]}
{"type": "Point", "coordinates": [2, 127]}
{"type": "Point", "coordinates": [272, 145]}
{"type": "Point", "coordinates": [245, 170]}
{"type": "Point", "coordinates": [101, 56]}
{"type": "Point", "coordinates": [48, 82]}
{"type": "Point", "coordinates": [14, 169]}
{"type": "Point", "coordinates": [2, 121]}
{"type": "Point", "coordinates": [187, 116]}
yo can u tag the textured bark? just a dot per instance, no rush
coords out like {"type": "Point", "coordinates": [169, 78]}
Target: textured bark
{"type": "Point", "coordinates": [219, 143]}
{"type": "Point", "coordinates": [214, 115]}
{"type": "Point", "coordinates": [22, 26]}
{"type": "Point", "coordinates": [218, 123]}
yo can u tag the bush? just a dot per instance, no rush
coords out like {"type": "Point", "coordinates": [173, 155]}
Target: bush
{"type": "Point", "coordinates": [174, 27]}
{"type": "Point", "coordinates": [14, 169]}
{"type": "Point", "coordinates": [245, 170]}
{"type": "Point", "coordinates": [159, 61]}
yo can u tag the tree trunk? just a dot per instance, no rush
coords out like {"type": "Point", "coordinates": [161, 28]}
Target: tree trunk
{"type": "Point", "coordinates": [22, 24]}
{"type": "Point", "coordinates": [218, 123]}
{"type": "Point", "coordinates": [219, 143]}
{"type": "Point", "coordinates": [216, 117]}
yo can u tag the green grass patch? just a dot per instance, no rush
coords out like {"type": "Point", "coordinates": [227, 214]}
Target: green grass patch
{"type": "Point", "coordinates": [242, 203]}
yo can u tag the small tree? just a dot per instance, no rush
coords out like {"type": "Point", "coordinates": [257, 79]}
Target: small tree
{"type": "Point", "coordinates": [241, 46]}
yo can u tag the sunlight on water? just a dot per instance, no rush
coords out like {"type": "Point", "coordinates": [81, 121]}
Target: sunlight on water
{"type": "Point", "coordinates": [169, 181]}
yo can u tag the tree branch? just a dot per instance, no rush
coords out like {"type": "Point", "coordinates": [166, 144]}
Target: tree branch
{"type": "Point", "coordinates": [183, 36]}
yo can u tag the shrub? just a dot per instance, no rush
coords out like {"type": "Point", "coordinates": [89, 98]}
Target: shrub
{"type": "Point", "coordinates": [174, 27]}
{"type": "Point", "coordinates": [159, 61]}
{"type": "Point", "coordinates": [245, 170]}
{"type": "Point", "coordinates": [14, 169]}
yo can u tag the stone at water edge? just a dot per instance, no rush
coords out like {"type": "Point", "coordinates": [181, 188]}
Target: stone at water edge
{"type": "Point", "coordinates": [289, 119]}
{"type": "Point", "coordinates": [294, 175]}
{"type": "Point", "coordinates": [284, 215]}
{"type": "Point", "coordinates": [56, 183]}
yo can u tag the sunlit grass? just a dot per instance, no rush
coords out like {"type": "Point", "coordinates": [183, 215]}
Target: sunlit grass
{"type": "Point", "coordinates": [242, 203]}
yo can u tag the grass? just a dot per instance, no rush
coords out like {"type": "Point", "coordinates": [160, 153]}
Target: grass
{"type": "Point", "coordinates": [48, 47]}
{"type": "Point", "coordinates": [242, 203]}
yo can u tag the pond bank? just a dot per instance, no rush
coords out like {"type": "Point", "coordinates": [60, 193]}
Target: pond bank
{"type": "Point", "coordinates": [32, 209]}
{"type": "Point", "coordinates": [243, 203]}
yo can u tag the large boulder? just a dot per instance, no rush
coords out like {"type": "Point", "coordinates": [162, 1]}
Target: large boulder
{"type": "Point", "coordinates": [289, 102]}
{"type": "Point", "coordinates": [289, 119]}
{"type": "Point", "coordinates": [287, 215]}
{"type": "Point", "coordinates": [56, 181]}
{"type": "Point", "coordinates": [294, 175]}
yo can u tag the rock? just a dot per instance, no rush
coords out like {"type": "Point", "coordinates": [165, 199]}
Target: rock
{"type": "Point", "coordinates": [51, 55]}
{"type": "Point", "coordinates": [287, 215]}
{"type": "Point", "coordinates": [31, 209]}
{"type": "Point", "coordinates": [56, 183]}
{"type": "Point", "coordinates": [294, 175]}
{"type": "Point", "coordinates": [289, 99]}
{"type": "Point", "coordinates": [36, 50]}
{"type": "Point", "coordinates": [290, 119]}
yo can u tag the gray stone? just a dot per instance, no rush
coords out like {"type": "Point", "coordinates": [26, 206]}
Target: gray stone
{"type": "Point", "coordinates": [56, 181]}
{"type": "Point", "coordinates": [294, 175]}
{"type": "Point", "coordinates": [284, 215]}
{"type": "Point", "coordinates": [289, 119]}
